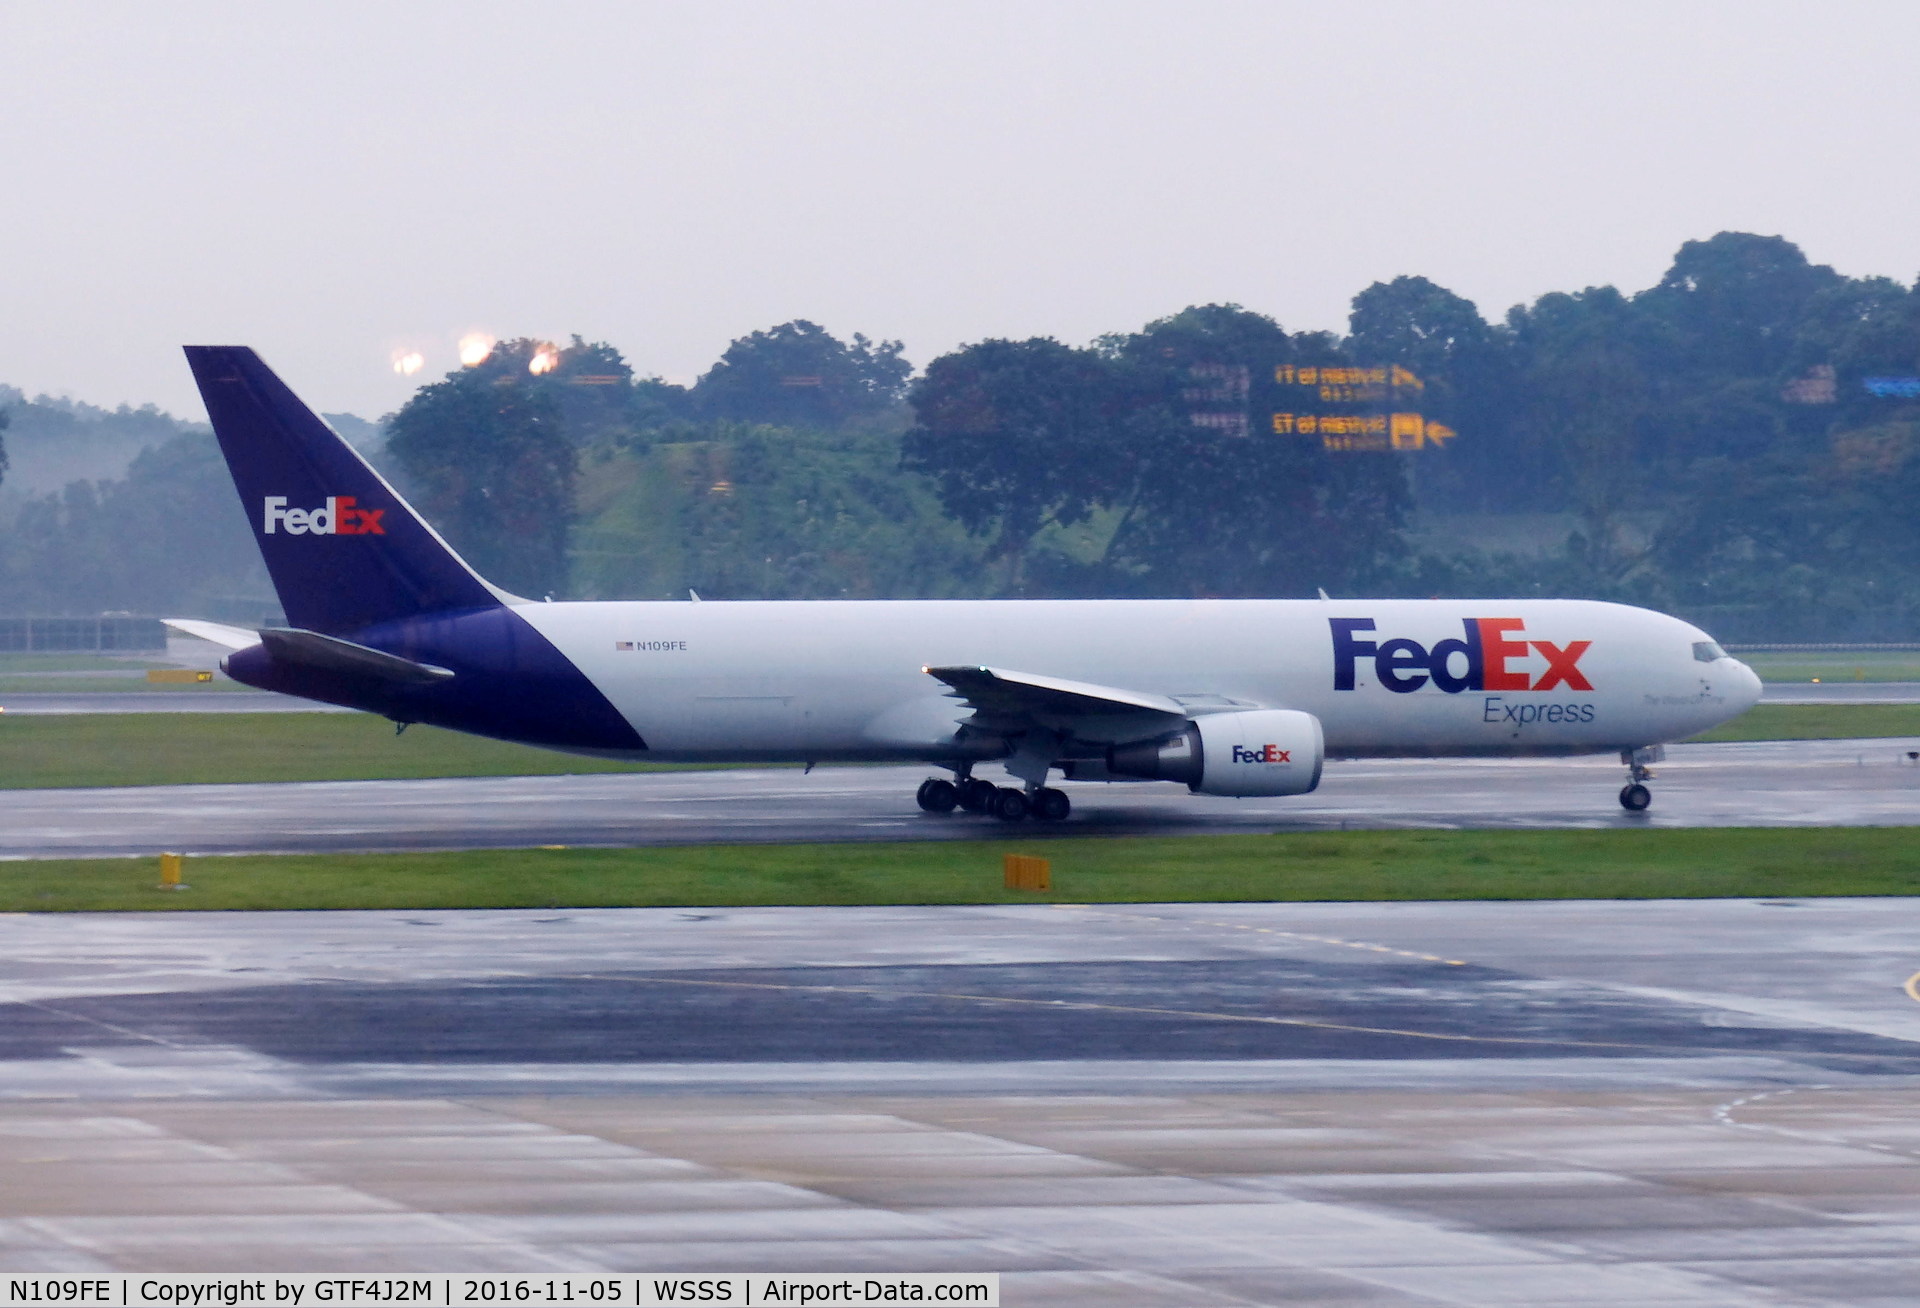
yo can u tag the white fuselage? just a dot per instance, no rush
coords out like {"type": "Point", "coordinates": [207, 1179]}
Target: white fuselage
{"type": "Point", "coordinates": [845, 680]}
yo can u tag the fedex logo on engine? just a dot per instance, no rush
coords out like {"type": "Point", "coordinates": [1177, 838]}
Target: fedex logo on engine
{"type": "Point", "coordinates": [341, 515]}
{"type": "Point", "coordinates": [1263, 754]}
{"type": "Point", "coordinates": [1482, 659]}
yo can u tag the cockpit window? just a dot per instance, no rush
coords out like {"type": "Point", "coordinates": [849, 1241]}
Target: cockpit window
{"type": "Point", "coordinates": [1707, 651]}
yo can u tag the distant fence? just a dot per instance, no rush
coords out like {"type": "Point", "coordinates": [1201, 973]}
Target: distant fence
{"type": "Point", "coordinates": [1819, 649]}
{"type": "Point", "coordinates": [19, 635]}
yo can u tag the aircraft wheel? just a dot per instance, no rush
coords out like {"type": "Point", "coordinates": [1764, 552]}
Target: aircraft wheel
{"type": "Point", "coordinates": [937, 795]}
{"type": "Point", "coordinates": [1010, 805]}
{"type": "Point", "coordinates": [1635, 797]}
{"type": "Point", "coordinates": [1050, 805]}
{"type": "Point", "coordinates": [976, 796]}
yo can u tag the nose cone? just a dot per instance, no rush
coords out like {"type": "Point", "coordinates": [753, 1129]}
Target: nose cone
{"type": "Point", "coordinates": [1743, 688]}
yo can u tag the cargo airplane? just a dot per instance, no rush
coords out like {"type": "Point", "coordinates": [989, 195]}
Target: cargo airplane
{"type": "Point", "coordinates": [1229, 697]}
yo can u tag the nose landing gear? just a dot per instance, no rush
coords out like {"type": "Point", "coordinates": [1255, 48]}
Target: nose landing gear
{"type": "Point", "coordinates": [1635, 797]}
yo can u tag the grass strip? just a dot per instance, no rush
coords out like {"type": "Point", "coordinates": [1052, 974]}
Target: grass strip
{"type": "Point", "coordinates": [155, 749]}
{"type": "Point", "coordinates": [1836, 665]}
{"type": "Point", "coordinates": [58, 661]}
{"type": "Point", "coordinates": [1652, 863]}
{"type": "Point", "coordinates": [1819, 722]}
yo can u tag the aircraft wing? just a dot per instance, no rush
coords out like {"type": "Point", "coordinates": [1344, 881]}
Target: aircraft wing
{"type": "Point", "coordinates": [1008, 702]}
{"type": "Point", "coordinates": [217, 632]}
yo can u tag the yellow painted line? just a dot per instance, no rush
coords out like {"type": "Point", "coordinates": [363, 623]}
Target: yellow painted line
{"type": "Point", "coordinates": [1913, 987]}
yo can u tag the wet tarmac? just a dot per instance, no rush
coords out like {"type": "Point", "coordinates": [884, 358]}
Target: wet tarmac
{"type": "Point", "coordinates": [1641, 1103]}
{"type": "Point", "coordinates": [1782, 783]}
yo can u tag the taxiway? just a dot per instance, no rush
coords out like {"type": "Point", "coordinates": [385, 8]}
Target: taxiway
{"type": "Point", "coordinates": [1677, 1103]}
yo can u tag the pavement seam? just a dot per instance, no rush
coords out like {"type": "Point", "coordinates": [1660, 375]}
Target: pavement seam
{"type": "Point", "coordinates": [1724, 1115]}
{"type": "Point", "coordinates": [1276, 931]}
{"type": "Point", "coordinates": [114, 1027]}
{"type": "Point", "coordinates": [1201, 1014]}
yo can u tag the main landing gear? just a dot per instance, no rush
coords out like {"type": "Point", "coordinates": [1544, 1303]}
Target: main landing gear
{"type": "Point", "coordinates": [1043, 803]}
{"type": "Point", "coordinates": [1635, 796]}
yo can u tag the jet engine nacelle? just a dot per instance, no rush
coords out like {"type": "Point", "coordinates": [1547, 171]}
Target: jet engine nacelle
{"type": "Point", "coordinates": [1257, 752]}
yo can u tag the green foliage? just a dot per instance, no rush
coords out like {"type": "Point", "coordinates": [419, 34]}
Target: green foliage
{"type": "Point", "coordinates": [1467, 367]}
{"type": "Point", "coordinates": [52, 441]}
{"type": "Point", "coordinates": [169, 537]}
{"type": "Point", "coordinates": [1217, 506]}
{"type": "Point", "coordinates": [1732, 303]}
{"type": "Point", "coordinates": [125, 509]}
{"type": "Point", "coordinates": [1152, 442]}
{"type": "Point", "coordinates": [491, 461]}
{"type": "Point", "coordinates": [1708, 445]}
{"type": "Point", "coordinates": [1019, 436]}
{"type": "Point", "coordinates": [759, 512]}
{"type": "Point", "coordinates": [799, 375]}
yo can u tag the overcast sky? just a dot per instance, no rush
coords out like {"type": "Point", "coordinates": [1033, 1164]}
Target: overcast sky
{"type": "Point", "coordinates": [331, 182]}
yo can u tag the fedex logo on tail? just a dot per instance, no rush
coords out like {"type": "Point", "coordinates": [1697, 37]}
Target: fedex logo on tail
{"type": "Point", "coordinates": [341, 515]}
{"type": "Point", "coordinates": [1482, 659]}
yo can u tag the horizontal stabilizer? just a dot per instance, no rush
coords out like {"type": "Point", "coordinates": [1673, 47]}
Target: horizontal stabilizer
{"type": "Point", "coordinates": [217, 632]}
{"type": "Point", "coordinates": [331, 654]}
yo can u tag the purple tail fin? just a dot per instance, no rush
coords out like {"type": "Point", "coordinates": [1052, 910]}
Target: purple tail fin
{"type": "Point", "coordinates": [344, 550]}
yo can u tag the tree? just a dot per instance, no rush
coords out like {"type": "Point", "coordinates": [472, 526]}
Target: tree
{"type": "Point", "coordinates": [1787, 546]}
{"type": "Point", "coordinates": [1736, 302]}
{"type": "Point", "coordinates": [1017, 437]}
{"type": "Point", "coordinates": [1221, 504]}
{"type": "Point", "coordinates": [1590, 404]}
{"type": "Point", "coordinates": [800, 375]}
{"type": "Point", "coordinates": [488, 456]}
{"type": "Point", "coordinates": [90, 546]}
{"type": "Point", "coordinates": [1416, 324]}
{"type": "Point", "coordinates": [1467, 370]}
{"type": "Point", "coordinates": [750, 512]}
{"type": "Point", "coordinates": [599, 399]}
{"type": "Point", "coordinates": [4, 420]}
{"type": "Point", "coordinates": [1161, 444]}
